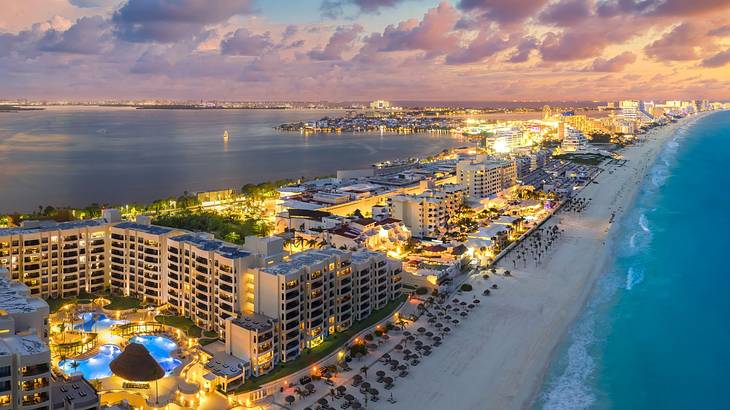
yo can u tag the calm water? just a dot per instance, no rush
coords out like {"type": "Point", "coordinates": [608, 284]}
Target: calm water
{"type": "Point", "coordinates": [655, 333]}
{"type": "Point", "coordinates": [79, 156]}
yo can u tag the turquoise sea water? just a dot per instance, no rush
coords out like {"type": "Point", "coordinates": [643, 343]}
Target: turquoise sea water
{"type": "Point", "coordinates": [655, 333]}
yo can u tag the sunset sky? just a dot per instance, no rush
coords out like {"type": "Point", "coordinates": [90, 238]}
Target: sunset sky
{"type": "Point", "coordinates": [365, 49]}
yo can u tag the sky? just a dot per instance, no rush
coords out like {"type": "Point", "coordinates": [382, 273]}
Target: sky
{"type": "Point", "coordinates": [358, 50]}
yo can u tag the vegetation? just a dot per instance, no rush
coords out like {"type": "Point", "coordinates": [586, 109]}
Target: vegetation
{"type": "Point", "coordinates": [585, 159]}
{"type": "Point", "coordinates": [328, 346]}
{"type": "Point", "coordinates": [466, 287]}
{"type": "Point", "coordinates": [55, 304]}
{"type": "Point", "coordinates": [230, 227]}
{"type": "Point", "coordinates": [600, 137]}
{"type": "Point", "coordinates": [422, 290]}
{"type": "Point", "coordinates": [181, 323]}
{"type": "Point", "coordinates": [122, 303]}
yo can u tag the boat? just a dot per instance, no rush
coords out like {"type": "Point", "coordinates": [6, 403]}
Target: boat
{"type": "Point", "coordinates": [225, 135]}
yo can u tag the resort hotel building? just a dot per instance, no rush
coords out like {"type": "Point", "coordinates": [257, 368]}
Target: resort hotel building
{"type": "Point", "coordinates": [275, 305]}
{"type": "Point", "coordinates": [427, 214]}
{"type": "Point", "coordinates": [59, 260]}
{"type": "Point", "coordinates": [25, 359]}
{"type": "Point", "coordinates": [484, 177]}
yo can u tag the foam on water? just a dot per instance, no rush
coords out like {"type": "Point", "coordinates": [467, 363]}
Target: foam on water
{"type": "Point", "coordinates": [634, 277]}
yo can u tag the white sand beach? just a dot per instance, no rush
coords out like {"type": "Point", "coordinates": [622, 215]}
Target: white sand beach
{"type": "Point", "coordinates": [497, 357]}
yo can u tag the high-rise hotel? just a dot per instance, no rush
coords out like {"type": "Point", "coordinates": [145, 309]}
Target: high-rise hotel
{"type": "Point", "coordinates": [266, 305]}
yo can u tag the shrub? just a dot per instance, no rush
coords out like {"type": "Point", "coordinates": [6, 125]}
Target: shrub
{"type": "Point", "coordinates": [369, 337]}
{"type": "Point", "coordinates": [466, 287]}
{"type": "Point", "coordinates": [421, 291]}
{"type": "Point", "coordinates": [378, 333]}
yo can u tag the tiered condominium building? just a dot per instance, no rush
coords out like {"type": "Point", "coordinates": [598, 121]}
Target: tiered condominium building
{"type": "Point", "coordinates": [266, 308]}
{"type": "Point", "coordinates": [59, 260]}
{"type": "Point", "coordinates": [427, 214]}
{"type": "Point", "coordinates": [320, 292]}
{"type": "Point", "coordinates": [485, 177]}
{"type": "Point", "coordinates": [137, 260]}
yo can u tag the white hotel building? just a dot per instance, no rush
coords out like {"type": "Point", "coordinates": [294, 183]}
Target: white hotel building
{"type": "Point", "coordinates": [60, 260]}
{"type": "Point", "coordinates": [428, 213]}
{"type": "Point", "coordinates": [218, 285]}
{"type": "Point", "coordinates": [485, 177]}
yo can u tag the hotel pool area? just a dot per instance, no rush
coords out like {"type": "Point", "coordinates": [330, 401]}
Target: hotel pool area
{"type": "Point", "coordinates": [97, 366]}
{"type": "Point", "coordinates": [160, 348]}
{"type": "Point", "coordinates": [96, 322]}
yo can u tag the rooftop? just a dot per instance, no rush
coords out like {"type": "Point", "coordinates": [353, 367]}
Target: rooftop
{"type": "Point", "coordinates": [76, 391]}
{"type": "Point", "coordinates": [254, 321]}
{"type": "Point", "coordinates": [151, 229]}
{"type": "Point", "coordinates": [223, 248]}
{"type": "Point", "coordinates": [302, 259]}
{"type": "Point", "coordinates": [54, 227]}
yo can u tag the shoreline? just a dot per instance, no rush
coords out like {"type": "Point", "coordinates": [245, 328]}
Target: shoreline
{"type": "Point", "coordinates": [608, 255]}
{"type": "Point", "coordinates": [499, 359]}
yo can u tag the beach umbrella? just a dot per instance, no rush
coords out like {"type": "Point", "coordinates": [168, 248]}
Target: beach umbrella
{"type": "Point", "coordinates": [455, 300]}
{"type": "Point", "coordinates": [437, 338]}
{"type": "Point", "coordinates": [393, 363]}
{"type": "Point", "coordinates": [349, 397]}
{"type": "Point", "coordinates": [309, 387]}
{"type": "Point", "coordinates": [137, 365]}
{"type": "Point", "coordinates": [402, 367]}
{"type": "Point", "coordinates": [439, 325]}
{"type": "Point", "coordinates": [406, 333]}
{"type": "Point", "coordinates": [386, 356]}
{"type": "Point", "coordinates": [477, 301]}
{"type": "Point", "coordinates": [471, 306]}
{"type": "Point", "coordinates": [432, 320]}
{"type": "Point", "coordinates": [429, 334]}
{"type": "Point", "coordinates": [322, 401]}
{"type": "Point", "coordinates": [289, 399]}
{"type": "Point", "coordinates": [307, 408]}
{"type": "Point", "coordinates": [398, 347]}
{"type": "Point", "coordinates": [455, 321]}
{"type": "Point", "coordinates": [429, 314]}
{"type": "Point", "coordinates": [411, 338]}
{"type": "Point", "coordinates": [419, 343]}
{"type": "Point", "coordinates": [357, 377]}
{"type": "Point", "coordinates": [380, 373]}
{"type": "Point", "coordinates": [374, 391]}
{"type": "Point", "coordinates": [447, 317]}
{"type": "Point", "coordinates": [421, 329]}
{"type": "Point", "coordinates": [385, 336]}
{"type": "Point", "coordinates": [463, 303]}
{"type": "Point", "coordinates": [356, 405]}
{"type": "Point", "coordinates": [447, 329]}
{"type": "Point", "coordinates": [388, 380]}
{"type": "Point", "coordinates": [341, 389]}
{"type": "Point", "coordinates": [463, 314]}
{"type": "Point", "coordinates": [407, 352]}
{"type": "Point", "coordinates": [365, 385]}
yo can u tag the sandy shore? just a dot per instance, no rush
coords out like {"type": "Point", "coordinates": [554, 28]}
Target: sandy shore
{"type": "Point", "coordinates": [498, 357]}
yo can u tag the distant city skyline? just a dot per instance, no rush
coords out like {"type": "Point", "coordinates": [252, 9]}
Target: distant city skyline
{"type": "Point", "coordinates": [358, 50]}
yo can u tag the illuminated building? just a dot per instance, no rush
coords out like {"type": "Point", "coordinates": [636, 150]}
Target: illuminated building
{"type": "Point", "coordinates": [428, 214]}
{"type": "Point", "coordinates": [485, 177]}
{"type": "Point", "coordinates": [57, 259]}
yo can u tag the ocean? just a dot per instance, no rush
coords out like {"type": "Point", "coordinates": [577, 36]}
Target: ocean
{"type": "Point", "coordinates": [78, 156]}
{"type": "Point", "coordinates": [655, 331]}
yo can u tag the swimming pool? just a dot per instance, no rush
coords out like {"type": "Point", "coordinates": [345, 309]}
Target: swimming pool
{"type": "Point", "coordinates": [97, 366]}
{"type": "Point", "coordinates": [96, 322]}
{"type": "Point", "coordinates": [160, 348]}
